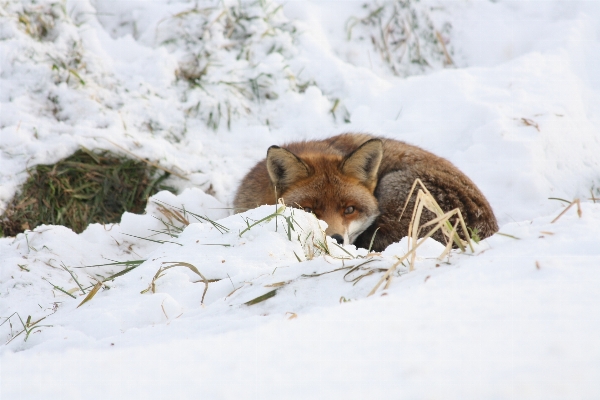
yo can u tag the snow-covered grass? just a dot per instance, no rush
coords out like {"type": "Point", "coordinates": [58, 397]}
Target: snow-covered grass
{"type": "Point", "coordinates": [196, 302]}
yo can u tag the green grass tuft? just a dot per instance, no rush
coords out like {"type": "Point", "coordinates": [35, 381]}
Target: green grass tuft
{"type": "Point", "coordinates": [86, 187]}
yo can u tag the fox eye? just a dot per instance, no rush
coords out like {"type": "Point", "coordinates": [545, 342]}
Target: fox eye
{"type": "Point", "coordinates": [308, 209]}
{"type": "Point", "coordinates": [349, 210]}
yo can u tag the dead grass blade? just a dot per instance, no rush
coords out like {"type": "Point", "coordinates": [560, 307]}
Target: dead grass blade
{"type": "Point", "coordinates": [173, 215]}
{"type": "Point", "coordinates": [579, 213]}
{"type": "Point", "coordinates": [359, 267]}
{"type": "Point", "coordinates": [152, 286]}
{"type": "Point", "coordinates": [372, 240]}
{"type": "Point", "coordinates": [173, 264]}
{"type": "Point", "coordinates": [448, 60]}
{"type": "Point", "coordinates": [442, 223]}
{"type": "Point", "coordinates": [507, 235]}
{"type": "Point", "coordinates": [530, 122]}
{"type": "Point", "coordinates": [91, 294]}
{"type": "Point", "coordinates": [278, 284]}
{"type": "Point", "coordinates": [195, 270]}
{"type": "Point", "coordinates": [180, 214]}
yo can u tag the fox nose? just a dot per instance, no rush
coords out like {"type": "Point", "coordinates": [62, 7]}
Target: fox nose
{"type": "Point", "coordinates": [338, 238]}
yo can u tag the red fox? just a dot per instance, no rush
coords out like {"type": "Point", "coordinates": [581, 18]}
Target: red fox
{"type": "Point", "coordinates": [358, 183]}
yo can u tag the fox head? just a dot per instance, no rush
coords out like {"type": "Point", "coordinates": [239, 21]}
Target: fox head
{"type": "Point", "coordinates": [338, 190]}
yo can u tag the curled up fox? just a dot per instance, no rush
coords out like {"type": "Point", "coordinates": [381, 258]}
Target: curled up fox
{"type": "Point", "coordinates": [358, 183]}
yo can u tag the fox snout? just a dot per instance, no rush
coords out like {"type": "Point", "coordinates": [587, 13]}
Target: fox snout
{"type": "Point", "coordinates": [336, 230]}
{"type": "Point", "coordinates": [346, 233]}
{"type": "Point", "coordinates": [338, 238]}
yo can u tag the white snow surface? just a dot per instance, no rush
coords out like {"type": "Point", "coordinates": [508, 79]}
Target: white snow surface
{"type": "Point", "coordinates": [518, 111]}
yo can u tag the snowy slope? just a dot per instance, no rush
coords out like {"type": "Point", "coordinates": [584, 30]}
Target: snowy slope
{"type": "Point", "coordinates": [518, 112]}
{"type": "Point", "coordinates": [517, 319]}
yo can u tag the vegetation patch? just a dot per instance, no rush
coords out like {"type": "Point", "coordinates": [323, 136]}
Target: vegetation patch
{"type": "Point", "coordinates": [405, 36]}
{"type": "Point", "coordinates": [86, 187]}
{"type": "Point", "coordinates": [233, 57]}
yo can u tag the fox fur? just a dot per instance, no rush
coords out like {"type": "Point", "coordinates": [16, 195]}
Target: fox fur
{"type": "Point", "coordinates": [359, 183]}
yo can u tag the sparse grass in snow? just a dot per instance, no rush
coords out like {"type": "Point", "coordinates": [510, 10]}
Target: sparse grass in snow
{"type": "Point", "coordinates": [232, 56]}
{"type": "Point", "coordinates": [54, 42]}
{"type": "Point", "coordinates": [313, 240]}
{"type": "Point", "coordinates": [38, 20]}
{"type": "Point", "coordinates": [175, 219]}
{"type": "Point", "coordinates": [28, 326]}
{"type": "Point", "coordinates": [168, 265]}
{"type": "Point", "coordinates": [404, 35]}
{"type": "Point", "coordinates": [62, 79]}
{"type": "Point", "coordinates": [129, 265]}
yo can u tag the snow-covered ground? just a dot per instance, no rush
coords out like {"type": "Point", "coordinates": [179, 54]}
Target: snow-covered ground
{"type": "Point", "coordinates": [203, 88]}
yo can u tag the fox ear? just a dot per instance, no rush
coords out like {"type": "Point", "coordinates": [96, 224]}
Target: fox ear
{"type": "Point", "coordinates": [285, 168]}
{"type": "Point", "coordinates": [363, 163]}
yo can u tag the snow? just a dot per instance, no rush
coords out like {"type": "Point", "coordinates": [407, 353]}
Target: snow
{"type": "Point", "coordinates": [518, 112]}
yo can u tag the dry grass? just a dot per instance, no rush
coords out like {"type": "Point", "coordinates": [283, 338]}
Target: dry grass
{"type": "Point", "coordinates": [403, 34]}
{"type": "Point", "coordinates": [39, 20]}
{"type": "Point", "coordinates": [574, 202]}
{"type": "Point", "coordinates": [594, 198]}
{"type": "Point", "coordinates": [222, 51]}
{"type": "Point", "coordinates": [440, 223]}
{"type": "Point", "coordinates": [172, 264]}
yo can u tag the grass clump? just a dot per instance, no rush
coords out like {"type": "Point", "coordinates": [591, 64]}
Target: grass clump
{"type": "Point", "coordinates": [442, 222]}
{"type": "Point", "coordinates": [39, 20]}
{"type": "Point", "coordinates": [405, 36]}
{"type": "Point", "coordinates": [233, 57]}
{"type": "Point", "coordinates": [86, 187]}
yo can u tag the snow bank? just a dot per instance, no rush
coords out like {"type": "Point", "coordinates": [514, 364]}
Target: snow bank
{"type": "Point", "coordinates": [475, 325]}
